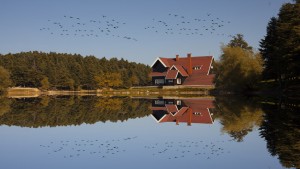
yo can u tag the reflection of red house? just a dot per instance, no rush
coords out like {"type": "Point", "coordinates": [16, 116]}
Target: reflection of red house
{"type": "Point", "coordinates": [183, 111]}
{"type": "Point", "coordinates": [182, 71]}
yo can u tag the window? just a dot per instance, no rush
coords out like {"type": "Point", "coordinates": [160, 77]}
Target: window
{"type": "Point", "coordinates": [159, 102]}
{"type": "Point", "coordinates": [159, 81]}
{"type": "Point", "coordinates": [170, 102]}
{"type": "Point", "coordinates": [197, 113]}
{"type": "Point", "coordinates": [197, 67]}
{"type": "Point", "coordinates": [178, 81]}
{"type": "Point", "coordinates": [178, 102]}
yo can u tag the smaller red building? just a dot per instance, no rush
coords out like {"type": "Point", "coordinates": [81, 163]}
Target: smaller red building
{"type": "Point", "coordinates": [182, 71]}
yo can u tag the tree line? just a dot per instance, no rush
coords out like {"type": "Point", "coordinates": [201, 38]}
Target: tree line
{"type": "Point", "coordinates": [69, 71]}
{"type": "Point", "coordinates": [241, 68]}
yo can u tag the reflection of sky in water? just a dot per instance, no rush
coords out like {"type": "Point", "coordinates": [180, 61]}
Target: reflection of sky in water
{"type": "Point", "coordinates": [136, 143]}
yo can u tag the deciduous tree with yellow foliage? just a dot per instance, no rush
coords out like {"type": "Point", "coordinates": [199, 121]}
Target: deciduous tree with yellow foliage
{"type": "Point", "coordinates": [239, 68]}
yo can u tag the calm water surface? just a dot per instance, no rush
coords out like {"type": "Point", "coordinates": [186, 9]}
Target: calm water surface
{"type": "Point", "coordinates": [94, 132]}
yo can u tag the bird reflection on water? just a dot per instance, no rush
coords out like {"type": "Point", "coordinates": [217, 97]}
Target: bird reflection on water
{"type": "Point", "coordinates": [83, 147]}
{"type": "Point", "coordinates": [170, 150]}
{"type": "Point", "coordinates": [173, 150]}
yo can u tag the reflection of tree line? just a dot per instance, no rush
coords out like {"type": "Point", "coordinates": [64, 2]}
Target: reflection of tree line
{"type": "Point", "coordinates": [279, 125]}
{"type": "Point", "coordinates": [70, 110]}
{"type": "Point", "coordinates": [281, 130]}
{"type": "Point", "coordinates": [238, 116]}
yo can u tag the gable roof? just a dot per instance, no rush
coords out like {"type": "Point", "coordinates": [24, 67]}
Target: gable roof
{"type": "Point", "coordinates": [180, 69]}
{"type": "Point", "coordinates": [162, 61]}
{"type": "Point", "coordinates": [172, 74]}
{"type": "Point", "coordinates": [171, 108]}
{"type": "Point", "coordinates": [203, 61]}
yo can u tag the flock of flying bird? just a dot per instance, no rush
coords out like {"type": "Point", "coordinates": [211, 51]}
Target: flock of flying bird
{"type": "Point", "coordinates": [170, 150]}
{"type": "Point", "coordinates": [77, 27]}
{"type": "Point", "coordinates": [174, 24]}
{"type": "Point", "coordinates": [181, 25]}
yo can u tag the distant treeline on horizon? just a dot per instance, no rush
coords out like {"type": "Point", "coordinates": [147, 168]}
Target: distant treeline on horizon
{"type": "Point", "coordinates": [72, 71]}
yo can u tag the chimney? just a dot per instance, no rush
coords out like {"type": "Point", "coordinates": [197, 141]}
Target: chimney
{"type": "Point", "coordinates": [177, 121]}
{"type": "Point", "coordinates": [190, 66]}
{"type": "Point", "coordinates": [177, 57]}
{"type": "Point", "coordinates": [190, 112]}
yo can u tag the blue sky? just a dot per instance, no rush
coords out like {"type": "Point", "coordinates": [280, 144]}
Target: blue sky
{"type": "Point", "coordinates": [136, 30]}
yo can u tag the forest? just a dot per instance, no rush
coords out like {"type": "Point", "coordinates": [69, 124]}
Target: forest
{"type": "Point", "coordinates": [69, 71]}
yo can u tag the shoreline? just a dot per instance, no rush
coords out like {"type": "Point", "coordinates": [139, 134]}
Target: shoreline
{"type": "Point", "coordinates": [147, 91]}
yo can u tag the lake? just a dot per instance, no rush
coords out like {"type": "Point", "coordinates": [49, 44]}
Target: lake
{"type": "Point", "coordinates": [113, 132]}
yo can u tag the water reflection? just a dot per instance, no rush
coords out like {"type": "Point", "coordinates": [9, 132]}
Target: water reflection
{"type": "Point", "coordinates": [187, 111]}
{"type": "Point", "coordinates": [4, 105]}
{"type": "Point", "coordinates": [281, 129]}
{"type": "Point", "coordinates": [69, 110]}
{"type": "Point", "coordinates": [83, 147]}
{"type": "Point", "coordinates": [238, 115]}
{"type": "Point", "coordinates": [173, 150]}
{"type": "Point", "coordinates": [275, 122]}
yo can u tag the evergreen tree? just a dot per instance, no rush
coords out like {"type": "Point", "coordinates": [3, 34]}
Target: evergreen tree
{"type": "Point", "coordinates": [281, 46]}
{"type": "Point", "coordinates": [270, 52]}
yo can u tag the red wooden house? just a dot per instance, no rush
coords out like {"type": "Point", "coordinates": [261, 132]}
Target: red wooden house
{"type": "Point", "coordinates": [189, 71]}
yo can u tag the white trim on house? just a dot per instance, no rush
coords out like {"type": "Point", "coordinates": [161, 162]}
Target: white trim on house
{"type": "Point", "coordinates": [210, 65]}
{"type": "Point", "coordinates": [158, 121]}
{"type": "Point", "coordinates": [176, 69]}
{"type": "Point", "coordinates": [210, 116]}
{"type": "Point", "coordinates": [176, 74]}
{"type": "Point", "coordinates": [158, 59]}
